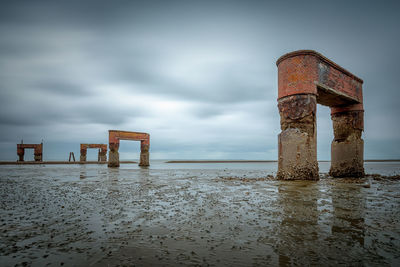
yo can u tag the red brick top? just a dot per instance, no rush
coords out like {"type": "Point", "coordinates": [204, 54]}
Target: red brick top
{"type": "Point", "coordinates": [115, 136]}
{"type": "Point", "coordinates": [101, 146]}
{"type": "Point", "coordinates": [322, 58]}
{"type": "Point", "coordinates": [308, 72]}
{"type": "Point", "coordinates": [35, 146]}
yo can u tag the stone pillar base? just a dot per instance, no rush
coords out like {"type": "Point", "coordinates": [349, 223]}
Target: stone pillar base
{"type": "Point", "coordinates": [144, 159]}
{"type": "Point", "coordinates": [38, 157]}
{"type": "Point", "coordinates": [297, 160]}
{"type": "Point", "coordinates": [113, 159]}
{"type": "Point", "coordinates": [297, 141]}
{"type": "Point", "coordinates": [102, 158]}
{"type": "Point", "coordinates": [347, 150]}
{"type": "Point", "coordinates": [347, 158]}
{"type": "Point", "coordinates": [82, 158]}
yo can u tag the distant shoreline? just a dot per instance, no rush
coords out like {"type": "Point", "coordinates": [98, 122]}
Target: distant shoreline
{"type": "Point", "coordinates": [169, 161]}
{"type": "Point", "coordinates": [58, 162]}
{"type": "Point", "coordinates": [263, 161]}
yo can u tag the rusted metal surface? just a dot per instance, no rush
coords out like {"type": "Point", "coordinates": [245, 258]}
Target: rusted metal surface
{"type": "Point", "coordinates": [113, 142]}
{"type": "Point", "coordinates": [38, 151]}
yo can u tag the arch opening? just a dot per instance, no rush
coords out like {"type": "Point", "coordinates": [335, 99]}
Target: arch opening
{"type": "Point", "coordinates": [102, 152]}
{"type": "Point", "coordinates": [115, 136]}
{"type": "Point", "coordinates": [37, 151]}
{"type": "Point", "coordinates": [305, 79]}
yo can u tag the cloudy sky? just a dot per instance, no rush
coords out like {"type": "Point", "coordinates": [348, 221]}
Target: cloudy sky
{"type": "Point", "coordinates": [199, 76]}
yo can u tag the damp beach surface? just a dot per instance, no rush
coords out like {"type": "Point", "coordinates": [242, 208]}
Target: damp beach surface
{"type": "Point", "coordinates": [196, 214]}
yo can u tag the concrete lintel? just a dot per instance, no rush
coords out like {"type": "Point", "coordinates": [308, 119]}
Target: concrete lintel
{"type": "Point", "coordinates": [330, 97]}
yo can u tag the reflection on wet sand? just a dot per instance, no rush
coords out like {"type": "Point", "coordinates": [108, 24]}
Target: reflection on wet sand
{"type": "Point", "coordinates": [299, 222]}
{"type": "Point", "coordinates": [91, 215]}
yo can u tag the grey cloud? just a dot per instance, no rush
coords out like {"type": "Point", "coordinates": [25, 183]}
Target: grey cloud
{"type": "Point", "coordinates": [55, 55]}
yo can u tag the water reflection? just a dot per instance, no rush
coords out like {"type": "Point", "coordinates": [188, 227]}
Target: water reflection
{"type": "Point", "coordinates": [348, 224]}
{"type": "Point", "coordinates": [82, 174]}
{"type": "Point", "coordinates": [299, 220]}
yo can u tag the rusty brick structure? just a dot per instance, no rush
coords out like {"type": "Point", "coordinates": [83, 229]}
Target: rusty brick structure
{"type": "Point", "coordinates": [113, 143]}
{"type": "Point", "coordinates": [38, 151]}
{"type": "Point", "coordinates": [102, 155]}
{"type": "Point", "coordinates": [305, 79]}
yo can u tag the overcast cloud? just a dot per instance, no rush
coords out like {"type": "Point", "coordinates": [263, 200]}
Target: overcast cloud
{"type": "Point", "coordinates": [199, 76]}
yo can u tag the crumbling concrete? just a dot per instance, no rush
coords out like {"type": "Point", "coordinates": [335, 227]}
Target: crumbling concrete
{"type": "Point", "coordinates": [297, 141]}
{"type": "Point", "coordinates": [38, 151]}
{"type": "Point", "coordinates": [347, 150]}
{"type": "Point", "coordinates": [113, 144]}
{"type": "Point", "coordinates": [102, 155]}
{"type": "Point", "coordinates": [306, 78]}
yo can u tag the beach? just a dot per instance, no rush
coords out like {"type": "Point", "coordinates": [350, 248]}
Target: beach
{"type": "Point", "coordinates": [217, 214]}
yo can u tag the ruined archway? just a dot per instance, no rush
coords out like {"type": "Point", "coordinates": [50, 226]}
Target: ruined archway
{"type": "Point", "coordinates": [113, 143]}
{"type": "Point", "coordinates": [102, 155]}
{"type": "Point", "coordinates": [306, 78]}
{"type": "Point", "coordinates": [38, 151]}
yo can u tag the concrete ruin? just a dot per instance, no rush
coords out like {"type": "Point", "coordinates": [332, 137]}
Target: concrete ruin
{"type": "Point", "coordinates": [305, 79]}
{"type": "Point", "coordinates": [113, 143]}
{"type": "Point", "coordinates": [102, 155]}
{"type": "Point", "coordinates": [38, 151]}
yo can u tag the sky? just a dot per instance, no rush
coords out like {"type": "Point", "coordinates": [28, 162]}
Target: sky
{"type": "Point", "coordinates": [199, 76]}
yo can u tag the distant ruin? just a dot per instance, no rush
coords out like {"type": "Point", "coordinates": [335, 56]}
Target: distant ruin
{"type": "Point", "coordinates": [306, 78]}
{"type": "Point", "coordinates": [102, 155]}
{"type": "Point", "coordinates": [38, 151]}
{"type": "Point", "coordinates": [113, 143]}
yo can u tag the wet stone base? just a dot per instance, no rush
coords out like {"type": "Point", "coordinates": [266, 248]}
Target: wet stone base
{"type": "Point", "coordinates": [113, 160]}
{"type": "Point", "coordinates": [144, 159]}
{"type": "Point", "coordinates": [347, 149]}
{"type": "Point", "coordinates": [297, 141]}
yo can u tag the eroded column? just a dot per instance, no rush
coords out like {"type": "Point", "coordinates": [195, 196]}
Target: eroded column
{"type": "Point", "coordinates": [144, 154]}
{"type": "Point", "coordinates": [347, 150]}
{"type": "Point", "coordinates": [21, 153]}
{"type": "Point", "coordinates": [83, 154]}
{"type": "Point", "coordinates": [297, 141]}
{"type": "Point", "coordinates": [38, 155]}
{"type": "Point", "coordinates": [113, 156]}
{"type": "Point", "coordinates": [102, 155]}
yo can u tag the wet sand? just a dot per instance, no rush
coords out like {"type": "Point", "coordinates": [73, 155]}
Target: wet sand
{"type": "Point", "coordinates": [91, 215]}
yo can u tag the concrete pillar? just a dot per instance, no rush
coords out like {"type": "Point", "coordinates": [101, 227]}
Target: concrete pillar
{"type": "Point", "coordinates": [21, 153]}
{"type": "Point", "coordinates": [144, 154]}
{"type": "Point", "coordinates": [102, 155]}
{"type": "Point", "coordinates": [347, 150]}
{"type": "Point", "coordinates": [113, 155]}
{"type": "Point", "coordinates": [83, 154]}
{"type": "Point", "coordinates": [297, 146]}
{"type": "Point", "coordinates": [38, 156]}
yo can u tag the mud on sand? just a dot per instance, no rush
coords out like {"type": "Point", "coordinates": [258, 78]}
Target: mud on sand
{"type": "Point", "coordinates": [91, 215]}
